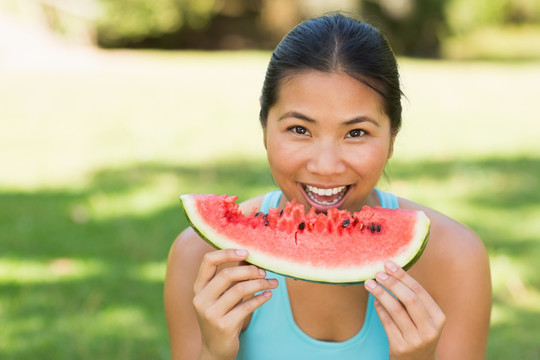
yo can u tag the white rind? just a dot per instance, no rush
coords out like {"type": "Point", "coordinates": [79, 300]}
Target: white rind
{"type": "Point", "coordinates": [306, 271]}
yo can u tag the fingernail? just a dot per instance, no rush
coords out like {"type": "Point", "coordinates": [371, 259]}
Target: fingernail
{"type": "Point", "coordinates": [391, 266]}
{"type": "Point", "coordinates": [241, 252]}
{"type": "Point", "coordinates": [382, 276]}
{"type": "Point", "coordinates": [376, 302]}
{"type": "Point", "coordinates": [267, 293]}
{"type": "Point", "coordinates": [262, 272]}
{"type": "Point", "coordinates": [371, 284]}
{"type": "Point", "coordinates": [273, 282]}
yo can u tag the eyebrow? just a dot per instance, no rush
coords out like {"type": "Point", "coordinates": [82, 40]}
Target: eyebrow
{"type": "Point", "coordinates": [353, 121]}
{"type": "Point", "coordinates": [294, 114]}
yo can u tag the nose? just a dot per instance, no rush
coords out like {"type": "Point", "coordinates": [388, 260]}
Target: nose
{"type": "Point", "coordinates": [326, 159]}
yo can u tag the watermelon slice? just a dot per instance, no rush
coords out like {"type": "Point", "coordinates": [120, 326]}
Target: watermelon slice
{"type": "Point", "coordinates": [337, 247]}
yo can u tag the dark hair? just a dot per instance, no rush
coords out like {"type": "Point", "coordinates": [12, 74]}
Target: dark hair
{"type": "Point", "coordinates": [336, 43]}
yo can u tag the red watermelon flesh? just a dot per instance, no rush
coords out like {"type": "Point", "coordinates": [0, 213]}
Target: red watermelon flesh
{"type": "Point", "coordinates": [336, 247]}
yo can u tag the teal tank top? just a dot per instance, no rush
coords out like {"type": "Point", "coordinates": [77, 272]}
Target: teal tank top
{"type": "Point", "coordinates": [272, 333]}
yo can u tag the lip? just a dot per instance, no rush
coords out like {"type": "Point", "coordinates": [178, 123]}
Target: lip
{"type": "Point", "coordinates": [324, 208]}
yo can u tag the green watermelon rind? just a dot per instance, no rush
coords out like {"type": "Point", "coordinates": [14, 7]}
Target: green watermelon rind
{"type": "Point", "coordinates": [344, 276]}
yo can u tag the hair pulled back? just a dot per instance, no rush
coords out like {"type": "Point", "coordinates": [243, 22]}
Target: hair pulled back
{"type": "Point", "coordinates": [331, 44]}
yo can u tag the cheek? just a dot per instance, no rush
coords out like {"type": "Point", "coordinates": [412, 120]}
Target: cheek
{"type": "Point", "coordinates": [369, 160]}
{"type": "Point", "coordinates": [285, 158]}
{"type": "Point", "coordinates": [280, 157]}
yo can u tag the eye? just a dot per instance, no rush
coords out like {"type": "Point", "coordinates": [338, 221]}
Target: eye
{"type": "Point", "coordinates": [356, 133]}
{"type": "Point", "coordinates": [300, 130]}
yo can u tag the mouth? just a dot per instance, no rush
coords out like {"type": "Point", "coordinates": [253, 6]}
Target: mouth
{"type": "Point", "coordinates": [324, 198]}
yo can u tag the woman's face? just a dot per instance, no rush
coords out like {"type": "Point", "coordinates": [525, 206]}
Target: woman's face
{"type": "Point", "coordinates": [327, 140]}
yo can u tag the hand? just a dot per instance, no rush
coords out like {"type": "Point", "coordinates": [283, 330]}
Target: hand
{"type": "Point", "coordinates": [413, 322]}
{"type": "Point", "coordinates": [223, 300]}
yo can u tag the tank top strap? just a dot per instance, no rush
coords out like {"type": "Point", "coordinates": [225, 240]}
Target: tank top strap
{"type": "Point", "coordinates": [388, 200]}
{"type": "Point", "coordinates": [270, 199]}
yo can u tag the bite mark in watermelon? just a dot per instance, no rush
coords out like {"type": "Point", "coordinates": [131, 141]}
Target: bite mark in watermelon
{"type": "Point", "coordinates": [337, 247]}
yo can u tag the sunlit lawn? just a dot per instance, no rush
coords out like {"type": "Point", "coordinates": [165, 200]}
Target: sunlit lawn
{"type": "Point", "coordinates": [93, 161]}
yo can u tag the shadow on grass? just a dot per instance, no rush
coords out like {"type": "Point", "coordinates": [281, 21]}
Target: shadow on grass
{"type": "Point", "coordinates": [517, 178]}
{"type": "Point", "coordinates": [113, 309]}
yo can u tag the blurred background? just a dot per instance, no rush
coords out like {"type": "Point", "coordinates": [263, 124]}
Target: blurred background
{"type": "Point", "coordinates": [112, 108]}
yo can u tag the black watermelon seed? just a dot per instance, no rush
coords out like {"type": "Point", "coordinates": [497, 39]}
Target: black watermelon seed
{"type": "Point", "coordinates": [302, 226]}
{"type": "Point", "coordinates": [257, 213]}
{"type": "Point", "coordinates": [281, 212]}
{"type": "Point", "coordinates": [372, 228]}
{"type": "Point", "coordinates": [346, 223]}
{"type": "Point", "coordinates": [266, 223]}
{"type": "Point", "coordinates": [378, 228]}
{"type": "Point", "coordinates": [264, 216]}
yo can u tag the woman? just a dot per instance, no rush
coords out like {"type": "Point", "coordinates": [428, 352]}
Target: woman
{"type": "Point", "coordinates": [330, 111]}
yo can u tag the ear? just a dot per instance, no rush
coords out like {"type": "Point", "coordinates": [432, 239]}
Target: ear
{"type": "Point", "coordinates": [391, 148]}
{"type": "Point", "coordinates": [264, 128]}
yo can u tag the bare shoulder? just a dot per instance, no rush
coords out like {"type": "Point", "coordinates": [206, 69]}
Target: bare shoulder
{"type": "Point", "coordinates": [252, 204]}
{"type": "Point", "coordinates": [454, 262]}
{"type": "Point", "coordinates": [450, 242]}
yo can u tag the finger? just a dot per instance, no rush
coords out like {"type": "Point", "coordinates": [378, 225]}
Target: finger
{"type": "Point", "coordinates": [416, 301]}
{"type": "Point", "coordinates": [433, 310]}
{"type": "Point", "coordinates": [242, 290]}
{"type": "Point", "coordinates": [392, 330]}
{"type": "Point", "coordinates": [226, 279]}
{"type": "Point", "coordinates": [394, 308]}
{"type": "Point", "coordinates": [407, 299]}
{"type": "Point", "coordinates": [210, 263]}
{"type": "Point", "coordinates": [239, 313]}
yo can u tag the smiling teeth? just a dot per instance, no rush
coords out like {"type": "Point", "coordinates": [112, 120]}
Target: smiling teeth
{"type": "Point", "coordinates": [325, 192]}
{"type": "Point", "coordinates": [312, 191]}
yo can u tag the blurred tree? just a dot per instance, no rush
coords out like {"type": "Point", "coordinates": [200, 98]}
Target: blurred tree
{"type": "Point", "coordinates": [493, 29]}
{"type": "Point", "coordinates": [414, 27]}
{"type": "Point", "coordinates": [206, 24]}
{"type": "Point", "coordinates": [124, 22]}
{"type": "Point", "coordinates": [419, 27]}
{"type": "Point", "coordinates": [465, 16]}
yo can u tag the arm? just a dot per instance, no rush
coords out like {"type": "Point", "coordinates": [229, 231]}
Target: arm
{"type": "Point", "coordinates": [208, 295]}
{"type": "Point", "coordinates": [184, 260]}
{"type": "Point", "coordinates": [464, 293]}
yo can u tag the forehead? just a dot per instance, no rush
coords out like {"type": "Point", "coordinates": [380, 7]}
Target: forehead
{"type": "Point", "coordinates": [317, 91]}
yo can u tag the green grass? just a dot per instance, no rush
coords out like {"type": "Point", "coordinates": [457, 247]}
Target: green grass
{"type": "Point", "coordinates": [93, 162]}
